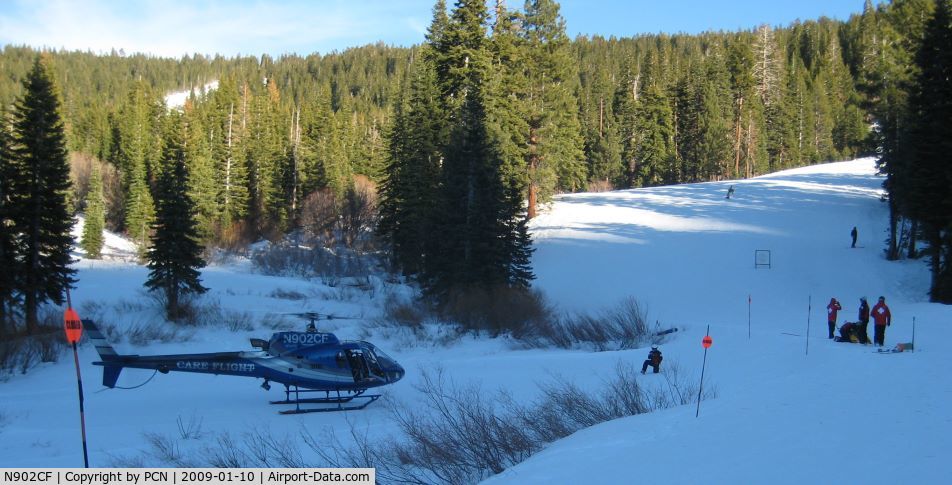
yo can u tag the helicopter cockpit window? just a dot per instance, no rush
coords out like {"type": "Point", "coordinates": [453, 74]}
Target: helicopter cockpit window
{"type": "Point", "coordinates": [372, 362]}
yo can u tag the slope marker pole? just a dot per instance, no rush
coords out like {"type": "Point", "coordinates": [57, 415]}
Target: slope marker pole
{"type": "Point", "coordinates": [74, 331]}
{"type": "Point", "coordinates": [748, 317]}
{"type": "Point", "coordinates": [809, 309]}
{"type": "Point", "coordinates": [706, 343]}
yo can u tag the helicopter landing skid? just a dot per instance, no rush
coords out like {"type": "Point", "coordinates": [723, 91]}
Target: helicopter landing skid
{"type": "Point", "coordinates": [344, 402]}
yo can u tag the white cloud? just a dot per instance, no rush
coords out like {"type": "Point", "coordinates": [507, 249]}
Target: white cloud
{"type": "Point", "coordinates": [174, 28]}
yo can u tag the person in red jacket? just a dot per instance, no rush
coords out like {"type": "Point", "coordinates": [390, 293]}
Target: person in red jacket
{"type": "Point", "coordinates": [863, 321]}
{"type": "Point", "coordinates": [882, 318]}
{"type": "Point", "coordinates": [831, 310]}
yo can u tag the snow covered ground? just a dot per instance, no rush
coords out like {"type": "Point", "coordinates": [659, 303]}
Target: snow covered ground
{"type": "Point", "coordinates": [840, 413]}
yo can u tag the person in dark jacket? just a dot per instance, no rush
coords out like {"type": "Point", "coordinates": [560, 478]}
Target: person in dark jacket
{"type": "Point", "coordinates": [861, 332]}
{"type": "Point", "coordinates": [882, 318]}
{"type": "Point", "coordinates": [848, 333]}
{"type": "Point", "coordinates": [654, 360]}
{"type": "Point", "coordinates": [831, 310]}
{"type": "Point", "coordinates": [853, 234]}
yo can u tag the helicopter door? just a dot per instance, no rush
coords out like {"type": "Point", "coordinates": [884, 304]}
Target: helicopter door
{"type": "Point", "coordinates": [358, 365]}
{"type": "Point", "coordinates": [372, 364]}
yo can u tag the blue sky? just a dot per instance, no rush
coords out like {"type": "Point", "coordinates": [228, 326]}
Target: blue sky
{"type": "Point", "coordinates": [231, 27]}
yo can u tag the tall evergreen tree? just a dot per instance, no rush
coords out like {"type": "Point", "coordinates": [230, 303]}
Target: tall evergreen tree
{"type": "Point", "coordinates": [476, 220]}
{"type": "Point", "coordinates": [136, 152]}
{"type": "Point", "coordinates": [175, 255]}
{"type": "Point", "coordinates": [626, 109]}
{"type": "Point", "coordinates": [409, 192]}
{"type": "Point", "coordinates": [41, 214]}
{"type": "Point", "coordinates": [506, 106]}
{"type": "Point", "coordinates": [930, 142]}
{"type": "Point", "coordinates": [227, 133]}
{"type": "Point", "coordinates": [555, 157]}
{"type": "Point", "coordinates": [707, 121]}
{"type": "Point", "coordinates": [654, 150]}
{"type": "Point", "coordinates": [9, 301]}
{"type": "Point", "coordinates": [203, 188]}
{"type": "Point", "coordinates": [887, 76]}
{"type": "Point", "coordinates": [92, 239]}
{"type": "Point", "coordinates": [603, 142]}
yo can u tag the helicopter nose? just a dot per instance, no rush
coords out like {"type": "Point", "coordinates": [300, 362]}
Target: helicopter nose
{"type": "Point", "coordinates": [395, 374]}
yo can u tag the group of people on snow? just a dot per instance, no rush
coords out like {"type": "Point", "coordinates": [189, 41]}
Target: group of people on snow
{"type": "Point", "coordinates": [856, 332]}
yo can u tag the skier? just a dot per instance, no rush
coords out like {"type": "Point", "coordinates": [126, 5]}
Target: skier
{"type": "Point", "coordinates": [882, 318]}
{"type": "Point", "coordinates": [853, 233]}
{"type": "Point", "coordinates": [863, 321]}
{"type": "Point", "coordinates": [730, 192]}
{"type": "Point", "coordinates": [831, 310]}
{"type": "Point", "coordinates": [654, 360]}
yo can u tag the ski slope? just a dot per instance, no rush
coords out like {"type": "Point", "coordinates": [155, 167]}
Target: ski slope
{"type": "Point", "coordinates": [788, 409]}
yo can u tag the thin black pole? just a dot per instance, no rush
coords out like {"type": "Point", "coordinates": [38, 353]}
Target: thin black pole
{"type": "Point", "coordinates": [79, 382]}
{"type": "Point", "coordinates": [703, 366]}
{"type": "Point", "coordinates": [809, 309]}
{"type": "Point", "coordinates": [913, 334]}
{"type": "Point", "coordinates": [748, 317]}
{"type": "Point", "coordinates": [82, 416]}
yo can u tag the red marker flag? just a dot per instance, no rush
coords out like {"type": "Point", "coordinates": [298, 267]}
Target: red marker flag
{"type": "Point", "coordinates": [73, 326]}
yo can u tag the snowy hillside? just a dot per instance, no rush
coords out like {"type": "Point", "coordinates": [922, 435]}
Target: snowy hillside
{"type": "Point", "coordinates": [840, 413]}
{"type": "Point", "coordinates": [176, 99]}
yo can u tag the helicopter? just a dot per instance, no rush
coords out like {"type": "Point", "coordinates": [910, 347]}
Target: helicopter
{"type": "Point", "coordinates": [307, 363]}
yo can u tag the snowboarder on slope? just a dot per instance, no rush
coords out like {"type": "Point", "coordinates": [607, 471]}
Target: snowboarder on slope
{"type": "Point", "coordinates": [654, 360]}
{"type": "Point", "coordinates": [882, 318]}
{"type": "Point", "coordinates": [863, 321]}
{"type": "Point", "coordinates": [853, 234]}
{"type": "Point", "coordinates": [831, 310]}
{"type": "Point", "coordinates": [730, 192]}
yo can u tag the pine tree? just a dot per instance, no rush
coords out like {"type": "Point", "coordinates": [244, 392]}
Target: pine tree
{"type": "Point", "coordinates": [175, 255]}
{"type": "Point", "coordinates": [506, 106]}
{"type": "Point", "coordinates": [555, 158]}
{"type": "Point", "coordinates": [654, 151]}
{"type": "Point", "coordinates": [203, 188]}
{"type": "Point", "coordinates": [929, 199]}
{"type": "Point", "coordinates": [9, 300]}
{"type": "Point", "coordinates": [265, 155]}
{"type": "Point", "coordinates": [477, 243]}
{"type": "Point", "coordinates": [41, 183]}
{"type": "Point", "coordinates": [626, 108]}
{"type": "Point", "coordinates": [408, 194]}
{"type": "Point", "coordinates": [707, 120]}
{"type": "Point", "coordinates": [887, 80]}
{"type": "Point", "coordinates": [603, 142]}
{"type": "Point", "coordinates": [135, 154]}
{"type": "Point", "coordinates": [92, 239]}
{"type": "Point", "coordinates": [740, 65]}
{"type": "Point", "coordinates": [227, 135]}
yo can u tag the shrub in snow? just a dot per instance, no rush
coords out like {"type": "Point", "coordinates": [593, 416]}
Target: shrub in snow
{"type": "Point", "coordinates": [498, 310]}
{"type": "Point", "coordinates": [622, 327]}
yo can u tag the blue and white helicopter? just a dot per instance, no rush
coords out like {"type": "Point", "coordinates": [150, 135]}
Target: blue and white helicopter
{"type": "Point", "coordinates": [305, 362]}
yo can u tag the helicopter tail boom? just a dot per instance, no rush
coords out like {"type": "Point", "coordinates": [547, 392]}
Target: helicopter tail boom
{"type": "Point", "coordinates": [111, 361]}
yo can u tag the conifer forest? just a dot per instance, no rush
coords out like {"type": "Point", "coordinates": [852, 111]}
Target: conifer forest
{"type": "Point", "coordinates": [436, 157]}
